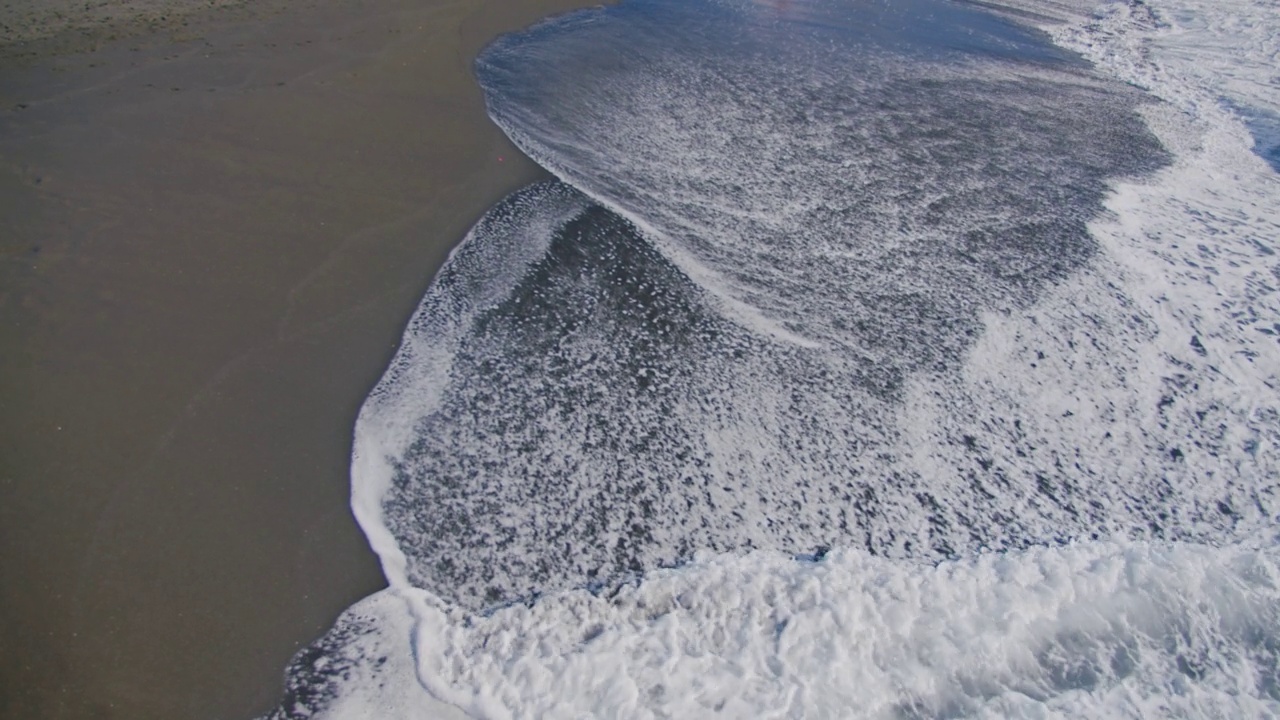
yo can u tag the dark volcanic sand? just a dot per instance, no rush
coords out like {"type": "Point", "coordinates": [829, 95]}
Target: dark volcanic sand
{"type": "Point", "coordinates": [212, 241]}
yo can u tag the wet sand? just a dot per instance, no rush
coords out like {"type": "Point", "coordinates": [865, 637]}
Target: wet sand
{"type": "Point", "coordinates": [215, 229]}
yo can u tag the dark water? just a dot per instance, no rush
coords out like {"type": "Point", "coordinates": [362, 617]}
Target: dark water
{"type": "Point", "coordinates": [856, 284]}
{"type": "Point", "coordinates": [782, 215]}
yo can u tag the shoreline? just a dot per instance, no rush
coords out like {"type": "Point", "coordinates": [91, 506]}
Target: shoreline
{"type": "Point", "coordinates": [220, 235]}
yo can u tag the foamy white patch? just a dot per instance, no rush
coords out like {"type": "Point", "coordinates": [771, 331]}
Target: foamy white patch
{"type": "Point", "coordinates": [1103, 629]}
{"type": "Point", "coordinates": [1189, 268]}
{"type": "Point", "coordinates": [1190, 258]}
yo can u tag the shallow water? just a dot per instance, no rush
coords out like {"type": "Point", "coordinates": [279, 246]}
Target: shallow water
{"type": "Point", "coordinates": [907, 291]}
{"type": "Point", "coordinates": [785, 218]}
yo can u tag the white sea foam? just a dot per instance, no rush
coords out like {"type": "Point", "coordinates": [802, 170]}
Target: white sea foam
{"type": "Point", "coordinates": [1153, 373]}
{"type": "Point", "coordinates": [1101, 629]}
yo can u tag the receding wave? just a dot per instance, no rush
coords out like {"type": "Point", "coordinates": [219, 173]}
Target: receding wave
{"type": "Point", "coordinates": [902, 341]}
{"type": "Point", "coordinates": [790, 217]}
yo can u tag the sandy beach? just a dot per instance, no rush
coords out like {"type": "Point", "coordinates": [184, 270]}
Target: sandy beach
{"type": "Point", "coordinates": [218, 219]}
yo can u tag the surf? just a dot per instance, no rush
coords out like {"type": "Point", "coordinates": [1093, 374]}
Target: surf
{"type": "Point", "coordinates": [895, 339]}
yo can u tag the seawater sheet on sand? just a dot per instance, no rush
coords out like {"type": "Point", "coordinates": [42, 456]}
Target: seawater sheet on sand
{"type": "Point", "coordinates": [912, 284]}
{"type": "Point", "coordinates": [787, 220]}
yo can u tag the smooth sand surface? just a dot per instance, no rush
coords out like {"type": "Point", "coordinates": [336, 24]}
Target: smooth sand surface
{"type": "Point", "coordinates": [35, 28]}
{"type": "Point", "coordinates": [211, 243]}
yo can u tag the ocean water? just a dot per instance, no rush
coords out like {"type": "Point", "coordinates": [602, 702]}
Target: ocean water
{"type": "Point", "coordinates": [865, 359]}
